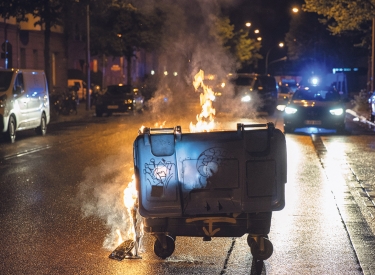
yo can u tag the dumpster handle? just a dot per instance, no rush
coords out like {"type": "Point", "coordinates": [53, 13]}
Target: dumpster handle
{"type": "Point", "coordinates": [270, 128]}
{"type": "Point", "coordinates": [269, 125]}
{"type": "Point", "coordinates": [147, 132]}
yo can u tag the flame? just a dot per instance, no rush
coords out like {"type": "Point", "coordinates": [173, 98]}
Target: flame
{"type": "Point", "coordinates": [119, 237]}
{"type": "Point", "coordinates": [135, 229]}
{"type": "Point", "coordinates": [160, 125]}
{"type": "Point", "coordinates": [130, 201]}
{"type": "Point", "coordinates": [205, 120]}
{"type": "Point", "coordinates": [141, 129]}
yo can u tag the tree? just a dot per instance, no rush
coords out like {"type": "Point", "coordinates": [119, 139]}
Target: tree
{"type": "Point", "coordinates": [243, 48]}
{"type": "Point", "coordinates": [13, 8]}
{"type": "Point", "coordinates": [344, 16]}
{"type": "Point", "coordinates": [122, 29]}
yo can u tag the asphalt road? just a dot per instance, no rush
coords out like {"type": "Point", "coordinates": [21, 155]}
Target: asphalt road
{"type": "Point", "coordinates": [61, 203]}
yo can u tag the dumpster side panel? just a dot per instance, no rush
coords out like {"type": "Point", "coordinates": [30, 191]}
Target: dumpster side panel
{"type": "Point", "coordinates": [265, 171]}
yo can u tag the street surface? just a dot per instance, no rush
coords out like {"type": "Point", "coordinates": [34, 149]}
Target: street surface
{"type": "Point", "coordinates": [61, 199]}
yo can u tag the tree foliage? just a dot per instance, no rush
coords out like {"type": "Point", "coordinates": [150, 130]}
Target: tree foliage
{"type": "Point", "coordinates": [122, 29]}
{"type": "Point", "coordinates": [13, 8]}
{"type": "Point", "coordinates": [344, 16]}
{"type": "Point", "coordinates": [243, 48]}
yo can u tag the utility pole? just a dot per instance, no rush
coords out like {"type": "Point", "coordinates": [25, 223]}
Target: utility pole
{"type": "Point", "coordinates": [88, 83]}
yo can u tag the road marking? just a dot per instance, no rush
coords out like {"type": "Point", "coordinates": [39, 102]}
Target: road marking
{"type": "Point", "coordinates": [27, 152]}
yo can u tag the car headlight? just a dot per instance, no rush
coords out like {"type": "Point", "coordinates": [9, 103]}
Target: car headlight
{"type": "Point", "coordinates": [246, 98]}
{"type": "Point", "coordinates": [337, 112]}
{"type": "Point", "coordinates": [290, 110]}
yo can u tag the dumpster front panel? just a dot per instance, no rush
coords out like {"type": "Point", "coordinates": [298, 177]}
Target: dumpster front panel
{"type": "Point", "coordinates": [209, 172]}
{"type": "Point", "coordinates": [157, 179]}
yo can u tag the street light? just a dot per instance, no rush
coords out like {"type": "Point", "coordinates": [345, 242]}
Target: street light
{"type": "Point", "coordinates": [248, 24]}
{"type": "Point", "coordinates": [281, 44]}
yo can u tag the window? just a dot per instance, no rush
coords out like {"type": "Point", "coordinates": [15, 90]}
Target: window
{"type": "Point", "coordinates": [18, 84]}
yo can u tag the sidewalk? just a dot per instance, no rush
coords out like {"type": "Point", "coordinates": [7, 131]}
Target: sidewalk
{"type": "Point", "coordinates": [82, 113]}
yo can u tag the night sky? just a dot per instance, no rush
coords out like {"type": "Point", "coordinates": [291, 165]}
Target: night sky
{"type": "Point", "coordinates": [271, 17]}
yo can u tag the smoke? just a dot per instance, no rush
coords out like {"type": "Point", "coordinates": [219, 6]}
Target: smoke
{"type": "Point", "coordinates": [188, 46]}
{"type": "Point", "coordinates": [101, 195]}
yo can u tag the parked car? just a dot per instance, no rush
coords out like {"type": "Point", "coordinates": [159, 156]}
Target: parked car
{"type": "Point", "coordinates": [256, 91]}
{"type": "Point", "coordinates": [315, 106]}
{"type": "Point", "coordinates": [24, 102]}
{"type": "Point", "coordinates": [119, 99]}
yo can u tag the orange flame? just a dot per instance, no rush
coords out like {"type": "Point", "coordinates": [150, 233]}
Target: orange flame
{"type": "Point", "coordinates": [160, 125]}
{"type": "Point", "coordinates": [205, 120]}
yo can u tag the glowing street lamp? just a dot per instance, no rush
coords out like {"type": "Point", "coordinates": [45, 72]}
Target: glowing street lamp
{"type": "Point", "coordinates": [248, 24]}
{"type": "Point", "coordinates": [295, 10]}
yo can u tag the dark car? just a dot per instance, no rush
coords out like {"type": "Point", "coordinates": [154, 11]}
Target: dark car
{"type": "Point", "coordinates": [320, 107]}
{"type": "Point", "coordinates": [119, 99]}
{"type": "Point", "coordinates": [256, 91]}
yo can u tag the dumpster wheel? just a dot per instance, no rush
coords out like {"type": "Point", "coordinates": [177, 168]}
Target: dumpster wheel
{"type": "Point", "coordinates": [164, 246]}
{"type": "Point", "coordinates": [260, 246]}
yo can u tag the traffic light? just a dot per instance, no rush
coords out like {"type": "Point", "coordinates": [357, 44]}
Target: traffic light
{"type": "Point", "coordinates": [6, 47]}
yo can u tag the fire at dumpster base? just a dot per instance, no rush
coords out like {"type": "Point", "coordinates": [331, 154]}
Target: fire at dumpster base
{"type": "Point", "coordinates": [129, 248]}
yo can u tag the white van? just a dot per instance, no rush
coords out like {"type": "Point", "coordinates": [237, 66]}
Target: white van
{"type": "Point", "coordinates": [24, 102]}
{"type": "Point", "coordinates": [81, 87]}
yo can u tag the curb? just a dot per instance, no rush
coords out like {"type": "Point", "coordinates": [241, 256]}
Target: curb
{"type": "Point", "coordinates": [361, 119]}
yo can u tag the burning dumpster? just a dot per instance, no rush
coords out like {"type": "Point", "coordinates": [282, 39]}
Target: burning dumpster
{"type": "Point", "coordinates": [210, 184]}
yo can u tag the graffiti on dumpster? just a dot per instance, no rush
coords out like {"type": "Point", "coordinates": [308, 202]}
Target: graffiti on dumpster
{"type": "Point", "coordinates": [209, 163]}
{"type": "Point", "coordinates": [160, 173]}
{"type": "Point", "coordinates": [210, 221]}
